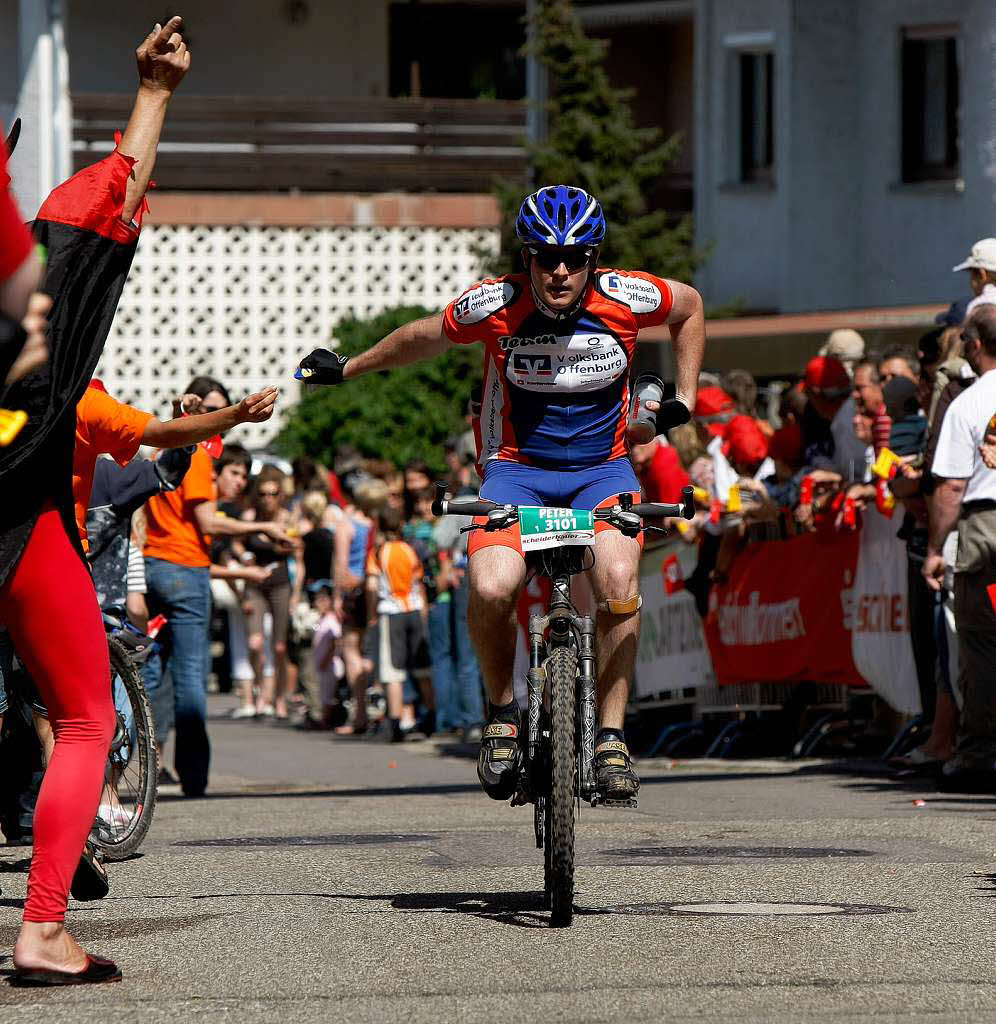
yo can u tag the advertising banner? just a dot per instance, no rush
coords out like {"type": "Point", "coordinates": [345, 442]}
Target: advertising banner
{"type": "Point", "coordinates": [778, 616]}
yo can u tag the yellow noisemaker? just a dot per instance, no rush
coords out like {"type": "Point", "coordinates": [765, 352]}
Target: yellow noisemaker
{"type": "Point", "coordinates": [11, 423]}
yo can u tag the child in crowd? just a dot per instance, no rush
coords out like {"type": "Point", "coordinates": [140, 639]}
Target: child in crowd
{"type": "Point", "coordinates": [327, 664]}
{"type": "Point", "coordinates": [396, 597]}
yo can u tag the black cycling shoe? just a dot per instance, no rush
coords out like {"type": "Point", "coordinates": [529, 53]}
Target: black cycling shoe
{"type": "Point", "coordinates": [615, 778]}
{"type": "Point", "coordinates": [500, 758]}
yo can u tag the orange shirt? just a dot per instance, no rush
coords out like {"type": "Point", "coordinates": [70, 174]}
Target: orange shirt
{"type": "Point", "coordinates": [397, 570]}
{"type": "Point", "coordinates": [173, 534]}
{"type": "Point", "coordinates": [103, 426]}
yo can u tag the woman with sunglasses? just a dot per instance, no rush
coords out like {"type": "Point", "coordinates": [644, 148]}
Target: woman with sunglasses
{"type": "Point", "coordinates": [559, 340]}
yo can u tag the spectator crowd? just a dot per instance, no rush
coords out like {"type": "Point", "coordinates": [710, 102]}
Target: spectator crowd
{"type": "Point", "coordinates": [911, 433]}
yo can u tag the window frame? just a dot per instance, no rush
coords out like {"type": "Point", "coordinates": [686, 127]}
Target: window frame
{"type": "Point", "coordinates": [914, 166]}
{"type": "Point", "coordinates": [742, 51]}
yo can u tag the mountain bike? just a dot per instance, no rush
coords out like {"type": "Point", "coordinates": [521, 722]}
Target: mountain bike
{"type": "Point", "coordinates": [128, 797]}
{"type": "Point", "coordinates": [558, 744]}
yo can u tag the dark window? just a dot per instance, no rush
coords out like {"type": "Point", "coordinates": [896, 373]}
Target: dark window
{"type": "Point", "coordinates": [457, 50]}
{"type": "Point", "coordinates": [757, 132]}
{"type": "Point", "coordinates": [930, 105]}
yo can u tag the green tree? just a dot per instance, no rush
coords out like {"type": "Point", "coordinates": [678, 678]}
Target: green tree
{"type": "Point", "coordinates": [593, 142]}
{"type": "Point", "coordinates": [399, 415]}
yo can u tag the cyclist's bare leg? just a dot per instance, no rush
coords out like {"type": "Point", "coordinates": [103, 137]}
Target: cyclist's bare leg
{"type": "Point", "coordinates": [496, 578]}
{"type": "Point", "coordinates": [615, 576]}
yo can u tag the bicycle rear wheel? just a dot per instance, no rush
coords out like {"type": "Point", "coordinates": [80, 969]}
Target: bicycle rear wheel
{"type": "Point", "coordinates": [128, 799]}
{"type": "Point", "coordinates": [561, 668]}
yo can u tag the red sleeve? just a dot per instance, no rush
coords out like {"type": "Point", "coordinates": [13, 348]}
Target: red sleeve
{"type": "Point", "coordinates": [473, 316]}
{"type": "Point", "coordinates": [15, 239]}
{"type": "Point", "coordinates": [648, 298]}
{"type": "Point", "coordinates": [93, 199]}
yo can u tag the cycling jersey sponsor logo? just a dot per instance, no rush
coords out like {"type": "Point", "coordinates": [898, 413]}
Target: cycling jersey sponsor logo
{"type": "Point", "coordinates": [491, 421]}
{"type": "Point", "coordinates": [509, 342]}
{"type": "Point", "coordinates": [524, 366]}
{"type": "Point", "coordinates": [641, 296]}
{"type": "Point", "coordinates": [479, 303]}
{"type": "Point", "coordinates": [575, 362]}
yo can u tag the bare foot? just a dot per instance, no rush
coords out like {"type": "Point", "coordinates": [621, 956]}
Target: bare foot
{"type": "Point", "coordinates": [47, 944]}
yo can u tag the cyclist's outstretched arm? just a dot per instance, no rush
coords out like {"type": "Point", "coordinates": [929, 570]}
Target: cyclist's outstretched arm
{"type": "Point", "coordinates": [421, 339]}
{"type": "Point", "coordinates": [410, 343]}
{"type": "Point", "coordinates": [686, 322]}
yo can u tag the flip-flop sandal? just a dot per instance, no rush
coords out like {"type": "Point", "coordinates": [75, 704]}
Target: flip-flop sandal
{"type": "Point", "coordinates": [90, 881]}
{"type": "Point", "coordinates": [98, 971]}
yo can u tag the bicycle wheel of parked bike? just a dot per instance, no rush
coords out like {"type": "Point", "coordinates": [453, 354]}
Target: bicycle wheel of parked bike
{"type": "Point", "coordinates": [128, 799]}
{"type": "Point", "coordinates": [561, 672]}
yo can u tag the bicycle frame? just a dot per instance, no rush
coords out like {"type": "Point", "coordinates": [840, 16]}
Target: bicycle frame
{"type": "Point", "coordinates": [562, 626]}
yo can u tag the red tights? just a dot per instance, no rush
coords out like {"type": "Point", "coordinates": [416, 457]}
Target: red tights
{"type": "Point", "coordinates": [50, 608]}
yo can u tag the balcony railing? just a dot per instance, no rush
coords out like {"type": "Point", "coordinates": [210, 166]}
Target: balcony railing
{"type": "Point", "coordinates": [275, 144]}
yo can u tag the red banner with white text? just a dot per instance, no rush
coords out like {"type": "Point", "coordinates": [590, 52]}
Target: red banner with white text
{"type": "Point", "coordinates": [778, 616]}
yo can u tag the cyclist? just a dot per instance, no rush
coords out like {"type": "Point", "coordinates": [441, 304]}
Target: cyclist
{"type": "Point", "coordinates": [559, 345]}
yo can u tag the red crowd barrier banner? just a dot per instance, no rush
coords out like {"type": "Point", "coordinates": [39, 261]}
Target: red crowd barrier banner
{"type": "Point", "coordinates": [778, 617]}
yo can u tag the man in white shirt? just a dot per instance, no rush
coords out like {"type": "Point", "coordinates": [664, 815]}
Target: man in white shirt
{"type": "Point", "coordinates": [966, 498]}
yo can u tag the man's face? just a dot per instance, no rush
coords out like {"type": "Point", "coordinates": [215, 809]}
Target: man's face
{"type": "Point", "coordinates": [641, 455]}
{"type": "Point", "coordinates": [867, 393]}
{"type": "Point", "coordinates": [232, 481]}
{"type": "Point", "coordinates": [895, 367]}
{"type": "Point", "coordinates": [559, 275]}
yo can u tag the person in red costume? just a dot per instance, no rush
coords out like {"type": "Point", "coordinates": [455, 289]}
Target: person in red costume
{"type": "Point", "coordinates": [89, 227]}
{"type": "Point", "coordinates": [659, 471]}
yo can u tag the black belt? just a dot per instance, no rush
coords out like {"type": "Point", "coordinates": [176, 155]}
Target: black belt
{"type": "Point", "coordinates": [969, 508]}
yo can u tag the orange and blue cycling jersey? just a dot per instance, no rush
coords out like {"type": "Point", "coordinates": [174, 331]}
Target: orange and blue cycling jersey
{"type": "Point", "coordinates": [556, 392]}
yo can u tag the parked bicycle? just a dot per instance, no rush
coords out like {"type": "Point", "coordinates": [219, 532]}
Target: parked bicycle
{"type": "Point", "coordinates": [558, 744]}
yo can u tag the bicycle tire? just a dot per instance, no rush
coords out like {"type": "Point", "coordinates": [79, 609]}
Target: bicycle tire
{"type": "Point", "coordinates": [561, 669]}
{"type": "Point", "coordinates": [137, 753]}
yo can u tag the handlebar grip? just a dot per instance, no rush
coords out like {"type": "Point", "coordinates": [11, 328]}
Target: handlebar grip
{"type": "Point", "coordinates": [688, 502]}
{"type": "Point", "coordinates": [439, 503]}
{"type": "Point", "coordinates": [481, 507]}
{"type": "Point", "coordinates": [656, 510]}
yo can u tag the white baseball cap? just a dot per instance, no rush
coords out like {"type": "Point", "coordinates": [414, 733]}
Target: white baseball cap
{"type": "Point", "coordinates": [982, 256]}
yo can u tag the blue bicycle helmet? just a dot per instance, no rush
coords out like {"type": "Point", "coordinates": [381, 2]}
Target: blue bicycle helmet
{"type": "Point", "coordinates": [560, 215]}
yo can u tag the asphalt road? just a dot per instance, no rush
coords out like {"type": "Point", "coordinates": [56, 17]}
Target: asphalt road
{"type": "Point", "coordinates": [353, 880]}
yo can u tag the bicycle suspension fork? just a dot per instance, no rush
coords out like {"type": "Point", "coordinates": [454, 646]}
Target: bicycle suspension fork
{"type": "Point", "coordinates": [586, 702]}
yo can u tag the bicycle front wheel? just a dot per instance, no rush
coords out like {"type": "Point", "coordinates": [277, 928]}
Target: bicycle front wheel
{"type": "Point", "coordinates": [128, 799]}
{"type": "Point", "coordinates": [561, 669]}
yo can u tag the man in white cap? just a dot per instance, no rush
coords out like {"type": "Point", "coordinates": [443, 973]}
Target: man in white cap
{"type": "Point", "coordinates": [846, 345]}
{"type": "Point", "coordinates": [981, 267]}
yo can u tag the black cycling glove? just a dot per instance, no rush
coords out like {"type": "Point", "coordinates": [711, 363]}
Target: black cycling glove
{"type": "Point", "coordinates": [321, 367]}
{"type": "Point", "coordinates": [672, 413]}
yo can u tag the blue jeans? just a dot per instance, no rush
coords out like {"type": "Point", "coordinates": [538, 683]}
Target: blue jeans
{"type": "Point", "coordinates": [443, 667]}
{"type": "Point", "coordinates": [176, 676]}
{"type": "Point", "coordinates": [468, 704]}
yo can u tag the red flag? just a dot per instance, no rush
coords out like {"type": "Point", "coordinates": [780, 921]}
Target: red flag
{"type": "Point", "coordinates": [674, 579]}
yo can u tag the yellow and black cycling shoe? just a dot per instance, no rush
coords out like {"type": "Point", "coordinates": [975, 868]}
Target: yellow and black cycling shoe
{"type": "Point", "coordinates": [615, 778]}
{"type": "Point", "coordinates": [500, 759]}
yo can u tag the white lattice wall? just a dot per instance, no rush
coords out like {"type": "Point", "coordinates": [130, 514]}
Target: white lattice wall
{"type": "Point", "coordinates": [244, 304]}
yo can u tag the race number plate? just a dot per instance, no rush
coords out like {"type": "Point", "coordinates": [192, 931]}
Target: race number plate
{"type": "Point", "coordinates": [553, 527]}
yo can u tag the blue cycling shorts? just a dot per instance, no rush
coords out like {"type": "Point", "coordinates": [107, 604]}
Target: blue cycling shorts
{"type": "Point", "coordinates": [515, 484]}
{"type": "Point", "coordinates": [510, 483]}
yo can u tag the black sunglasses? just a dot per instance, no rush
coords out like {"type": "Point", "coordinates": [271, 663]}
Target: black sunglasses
{"type": "Point", "coordinates": [573, 258]}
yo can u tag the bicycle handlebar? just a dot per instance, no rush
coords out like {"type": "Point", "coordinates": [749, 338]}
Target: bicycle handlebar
{"type": "Point", "coordinates": [442, 506]}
